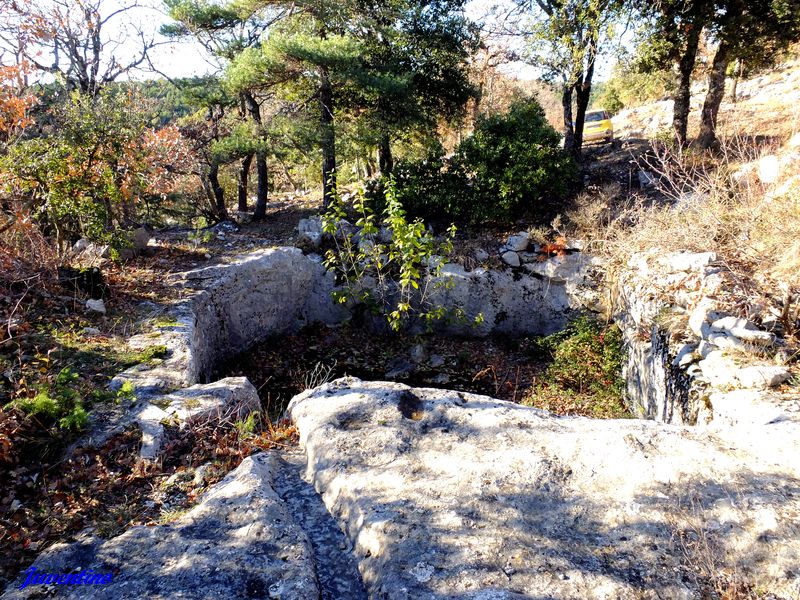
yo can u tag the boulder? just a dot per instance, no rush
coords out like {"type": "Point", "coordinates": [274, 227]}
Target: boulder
{"type": "Point", "coordinates": [744, 330]}
{"type": "Point", "coordinates": [239, 541]}
{"type": "Point", "coordinates": [226, 400]}
{"type": "Point", "coordinates": [769, 169]}
{"type": "Point", "coordinates": [140, 237]}
{"type": "Point", "coordinates": [309, 234]}
{"type": "Point", "coordinates": [452, 495]}
{"type": "Point", "coordinates": [96, 306]}
{"type": "Point", "coordinates": [646, 180]}
{"type": "Point", "coordinates": [762, 376]}
{"type": "Point", "coordinates": [518, 242]}
{"type": "Point", "coordinates": [481, 255]}
{"type": "Point", "coordinates": [511, 258]}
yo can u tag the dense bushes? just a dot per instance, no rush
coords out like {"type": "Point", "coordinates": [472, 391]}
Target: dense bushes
{"type": "Point", "coordinates": [93, 163]}
{"type": "Point", "coordinates": [510, 165]}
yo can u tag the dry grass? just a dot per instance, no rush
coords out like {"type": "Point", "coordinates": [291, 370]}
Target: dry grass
{"type": "Point", "coordinates": [707, 203]}
{"type": "Point", "coordinates": [705, 559]}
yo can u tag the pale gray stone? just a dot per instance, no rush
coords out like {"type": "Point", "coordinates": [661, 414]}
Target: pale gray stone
{"type": "Point", "coordinates": [685, 356]}
{"type": "Point", "coordinates": [140, 238]}
{"type": "Point", "coordinates": [96, 306]}
{"type": "Point", "coordinates": [690, 261]}
{"type": "Point", "coordinates": [743, 330]}
{"type": "Point", "coordinates": [518, 242]}
{"type": "Point", "coordinates": [481, 255]}
{"type": "Point", "coordinates": [452, 495]}
{"type": "Point", "coordinates": [240, 541]}
{"type": "Point", "coordinates": [309, 234]}
{"type": "Point", "coordinates": [228, 399]}
{"type": "Point", "coordinates": [723, 341]}
{"type": "Point", "coordinates": [511, 258]}
{"type": "Point", "coordinates": [646, 180]}
{"type": "Point", "coordinates": [418, 354]}
{"type": "Point", "coordinates": [762, 377]}
{"type": "Point", "coordinates": [436, 361]}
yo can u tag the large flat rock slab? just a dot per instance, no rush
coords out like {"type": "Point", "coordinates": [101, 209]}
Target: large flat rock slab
{"type": "Point", "coordinates": [451, 495]}
{"type": "Point", "coordinates": [240, 541]}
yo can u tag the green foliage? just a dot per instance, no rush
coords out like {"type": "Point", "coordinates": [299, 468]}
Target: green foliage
{"type": "Point", "coordinates": [87, 171]}
{"type": "Point", "coordinates": [585, 376]}
{"type": "Point", "coordinates": [127, 391]}
{"type": "Point", "coordinates": [58, 402]}
{"type": "Point", "coordinates": [394, 278]}
{"type": "Point", "coordinates": [513, 161]}
{"type": "Point", "coordinates": [635, 80]}
{"type": "Point", "coordinates": [507, 167]}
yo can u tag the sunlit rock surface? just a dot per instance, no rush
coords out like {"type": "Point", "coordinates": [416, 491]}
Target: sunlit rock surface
{"type": "Point", "coordinates": [452, 495]}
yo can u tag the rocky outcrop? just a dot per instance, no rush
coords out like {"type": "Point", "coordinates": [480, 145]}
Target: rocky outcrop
{"type": "Point", "coordinates": [538, 299]}
{"type": "Point", "coordinates": [690, 362]}
{"type": "Point", "coordinates": [240, 541]}
{"type": "Point", "coordinates": [452, 495]}
{"type": "Point", "coordinates": [224, 401]}
{"type": "Point", "coordinates": [231, 307]}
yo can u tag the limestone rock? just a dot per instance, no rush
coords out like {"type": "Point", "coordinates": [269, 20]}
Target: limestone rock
{"type": "Point", "coordinates": [510, 301]}
{"type": "Point", "coordinates": [240, 541]}
{"type": "Point", "coordinates": [452, 495]}
{"type": "Point", "coordinates": [309, 234]}
{"type": "Point", "coordinates": [511, 258]}
{"type": "Point", "coordinates": [140, 237]}
{"type": "Point", "coordinates": [769, 169]}
{"type": "Point", "coordinates": [227, 399]}
{"type": "Point", "coordinates": [743, 330]}
{"type": "Point", "coordinates": [689, 261]}
{"type": "Point", "coordinates": [96, 306]}
{"type": "Point", "coordinates": [762, 377]}
{"type": "Point", "coordinates": [518, 242]}
{"type": "Point", "coordinates": [481, 255]}
{"type": "Point", "coordinates": [646, 180]}
{"type": "Point", "coordinates": [418, 354]}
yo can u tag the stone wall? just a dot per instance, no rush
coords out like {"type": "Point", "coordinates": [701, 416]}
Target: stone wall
{"type": "Point", "coordinates": [229, 308]}
{"type": "Point", "coordinates": [691, 362]}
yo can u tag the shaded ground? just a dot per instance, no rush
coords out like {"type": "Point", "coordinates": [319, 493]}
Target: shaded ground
{"type": "Point", "coordinates": [283, 367]}
{"type": "Point", "coordinates": [500, 367]}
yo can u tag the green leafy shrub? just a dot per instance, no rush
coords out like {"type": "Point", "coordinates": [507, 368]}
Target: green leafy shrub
{"type": "Point", "coordinates": [513, 161]}
{"type": "Point", "coordinates": [92, 167]}
{"type": "Point", "coordinates": [508, 166]}
{"type": "Point", "coordinates": [585, 376]}
{"type": "Point", "coordinates": [391, 276]}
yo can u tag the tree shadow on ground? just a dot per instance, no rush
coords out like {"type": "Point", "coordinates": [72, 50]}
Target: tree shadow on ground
{"type": "Point", "coordinates": [543, 533]}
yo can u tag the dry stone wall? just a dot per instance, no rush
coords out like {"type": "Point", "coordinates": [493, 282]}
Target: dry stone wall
{"type": "Point", "coordinates": [690, 362]}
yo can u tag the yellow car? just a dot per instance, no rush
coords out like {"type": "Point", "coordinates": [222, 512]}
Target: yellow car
{"type": "Point", "coordinates": [598, 127]}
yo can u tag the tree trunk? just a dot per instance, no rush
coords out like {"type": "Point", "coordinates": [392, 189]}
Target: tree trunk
{"type": "Point", "coordinates": [583, 93]}
{"type": "Point", "coordinates": [716, 92]}
{"type": "Point", "coordinates": [263, 180]}
{"type": "Point", "coordinates": [241, 188]}
{"type": "Point", "coordinates": [218, 192]}
{"type": "Point", "coordinates": [566, 105]}
{"type": "Point", "coordinates": [385, 160]}
{"type": "Point", "coordinates": [683, 91]}
{"type": "Point", "coordinates": [262, 173]}
{"type": "Point", "coordinates": [328, 139]}
{"type": "Point", "coordinates": [737, 73]}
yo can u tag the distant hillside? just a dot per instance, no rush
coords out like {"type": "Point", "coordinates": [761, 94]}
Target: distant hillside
{"type": "Point", "coordinates": [767, 105]}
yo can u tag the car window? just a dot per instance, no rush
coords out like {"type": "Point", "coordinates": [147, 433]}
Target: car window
{"type": "Point", "coordinates": [594, 116]}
